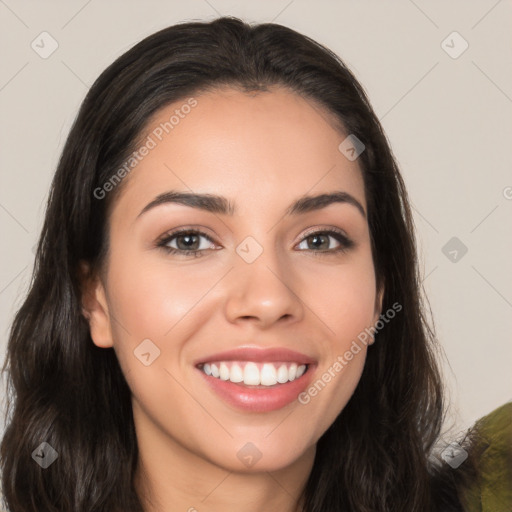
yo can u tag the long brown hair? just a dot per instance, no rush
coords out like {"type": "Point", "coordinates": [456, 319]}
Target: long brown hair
{"type": "Point", "coordinates": [71, 394]}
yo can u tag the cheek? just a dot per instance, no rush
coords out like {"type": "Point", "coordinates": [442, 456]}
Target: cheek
{"type": "Point", "coordinates": [343, 297]}
{"type": "Point", "coordinates": [151, 296]}
{"type": "Point", "coordinates": [154, 299]}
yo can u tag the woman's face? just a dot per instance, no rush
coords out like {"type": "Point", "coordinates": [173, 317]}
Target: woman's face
{"type": "Point", "coordinates": [271, 293]}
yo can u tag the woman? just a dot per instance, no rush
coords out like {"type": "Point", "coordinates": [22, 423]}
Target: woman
{"type": "Point", "coordinates": [225, 312]}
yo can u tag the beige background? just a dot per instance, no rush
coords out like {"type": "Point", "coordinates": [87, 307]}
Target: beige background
{"type": "Point", "coordinates": [448, 120]}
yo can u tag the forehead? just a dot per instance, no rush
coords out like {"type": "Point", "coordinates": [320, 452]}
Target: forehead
{"type": "Point", "coordinates": [271, 146]}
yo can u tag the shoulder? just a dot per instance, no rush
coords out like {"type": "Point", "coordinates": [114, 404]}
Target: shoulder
{"type": "Point", "coordinates": [474, 474]}
{"type": "Point", "coordinates": [490, 453]}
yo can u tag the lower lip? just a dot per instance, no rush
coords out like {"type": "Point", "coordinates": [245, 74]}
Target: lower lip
{"type": "Point", "coordinates": [256, 399]}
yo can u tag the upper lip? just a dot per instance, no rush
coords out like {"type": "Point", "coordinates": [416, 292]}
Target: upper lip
{"type": "Point", "coordinates": [278, 354]}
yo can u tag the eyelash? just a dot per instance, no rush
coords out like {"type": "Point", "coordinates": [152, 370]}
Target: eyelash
{"type": "Point", "coordinates": [345, 242]}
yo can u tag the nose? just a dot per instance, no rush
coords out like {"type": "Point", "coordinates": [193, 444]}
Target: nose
{"type": "Point", "coordinates": [263, 292]}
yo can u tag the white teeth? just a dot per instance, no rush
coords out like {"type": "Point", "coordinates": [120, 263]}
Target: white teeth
{"type": "Point", "coordinates": [251, 374]}
{"type": "Point", "coordinates": [254, 374]}
{"type": "Point", "coordinates": [282, 374]}
{"type": "Point", "coordinates": [224, 371]}
{"type": "Point", "coordinates": [236, 374]}
{"type": "Point", "coordinates": [268, 375]}
{"type": "Point", "coordinates": [300, 370]}
{"type": "Point", "coordinates": [292, 372]}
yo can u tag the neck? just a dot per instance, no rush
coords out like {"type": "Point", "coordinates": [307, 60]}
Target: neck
{"type": "Point", "coordinates": [170, 477]}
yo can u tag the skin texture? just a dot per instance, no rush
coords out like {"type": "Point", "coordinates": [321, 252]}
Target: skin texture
{"type": "Point", "coordinates": [261, 151]}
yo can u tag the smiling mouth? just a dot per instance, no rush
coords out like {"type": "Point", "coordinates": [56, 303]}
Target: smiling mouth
{"type": "Point", "coordinates": [254, 374]}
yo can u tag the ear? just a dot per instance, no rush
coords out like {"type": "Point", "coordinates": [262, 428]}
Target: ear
{"type": "Point", "coordinates": [95, 307]}
{"type": "Point", "coordinates": [378, 309]}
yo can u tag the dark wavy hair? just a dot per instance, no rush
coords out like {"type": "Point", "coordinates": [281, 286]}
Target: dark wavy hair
{"type": "Point", "coordinates": [66, 391]}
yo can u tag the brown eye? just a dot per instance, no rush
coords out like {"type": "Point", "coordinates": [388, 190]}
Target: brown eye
{"type": "Point", "coordinates": [187, 242]}
{"type": "Point", "coordinates": [320, 241]}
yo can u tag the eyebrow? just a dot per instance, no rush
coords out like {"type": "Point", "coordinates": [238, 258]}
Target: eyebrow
{"type": "Point", "coordinates": [219, 204]}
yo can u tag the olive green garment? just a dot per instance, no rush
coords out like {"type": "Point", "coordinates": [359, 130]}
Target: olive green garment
{"type": "Point", "coordinates": [492, 491]}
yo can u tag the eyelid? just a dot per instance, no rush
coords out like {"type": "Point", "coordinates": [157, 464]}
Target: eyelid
{"type": "Point", "coordinates": [324, 229]}
{"type": "Point", "coordinates": [187, 229]}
